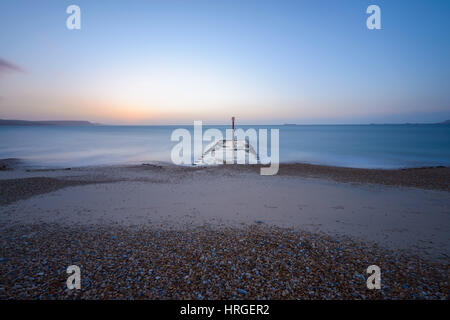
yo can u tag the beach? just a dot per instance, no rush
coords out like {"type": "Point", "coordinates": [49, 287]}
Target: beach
{"type": "Point", "coordinates": [221, 150]}
{"type": "Point", "coordinates": [160, 231]}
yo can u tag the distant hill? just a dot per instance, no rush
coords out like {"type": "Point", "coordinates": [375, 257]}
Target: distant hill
{"type": "Point", "coordinates": [446, 122]}
{"type": "Point", "coordinates": [45, 123]}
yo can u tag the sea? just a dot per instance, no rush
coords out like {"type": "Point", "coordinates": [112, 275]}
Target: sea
{"type": "Point", "coordinates": [359, 146]}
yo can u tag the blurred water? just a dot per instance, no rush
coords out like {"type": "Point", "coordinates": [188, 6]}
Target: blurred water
{"type": "Point", "coordinates": [364, 146]}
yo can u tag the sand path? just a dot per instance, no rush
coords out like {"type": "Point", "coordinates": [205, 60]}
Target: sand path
{"type": "Point", "coordinates": [395, 217]}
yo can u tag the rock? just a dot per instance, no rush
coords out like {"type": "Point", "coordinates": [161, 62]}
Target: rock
{"type": "Point", "coordinates": [242, 291]}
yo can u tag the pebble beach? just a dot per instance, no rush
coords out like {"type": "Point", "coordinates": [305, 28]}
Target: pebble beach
{"type": "Point", "coordinates": [180, 250]}
{"type": "Point", "coordinates": [257, 262]}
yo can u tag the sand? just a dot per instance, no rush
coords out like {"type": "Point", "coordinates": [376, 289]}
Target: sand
{"type": "Point", "coordinates": [394, 216]}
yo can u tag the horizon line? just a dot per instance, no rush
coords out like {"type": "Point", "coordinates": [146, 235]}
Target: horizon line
{"type": "Point", "coordinates": [90, 123]}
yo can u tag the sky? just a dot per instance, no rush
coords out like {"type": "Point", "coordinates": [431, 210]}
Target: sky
{"type": "Point", "coordinates": [265, 62]}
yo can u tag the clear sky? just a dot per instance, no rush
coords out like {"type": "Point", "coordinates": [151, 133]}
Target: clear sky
{"type": "Point", "coordinates": [170, 62]}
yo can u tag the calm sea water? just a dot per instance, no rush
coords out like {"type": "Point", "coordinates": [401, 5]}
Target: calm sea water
{"type": "Point", "coordinates": [363, 146]}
